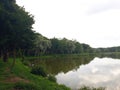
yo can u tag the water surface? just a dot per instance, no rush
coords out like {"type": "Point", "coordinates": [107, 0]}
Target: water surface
{"type": "Point", "coordinates": [100, 72]}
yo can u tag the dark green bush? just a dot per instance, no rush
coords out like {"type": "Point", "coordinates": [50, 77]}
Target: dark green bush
{"type": "Point", "coordinates": [91, 88]}
{"type": "Point", "coordinates": [38, 70]}
{"type": "Point", "coordinates": [52, 78]}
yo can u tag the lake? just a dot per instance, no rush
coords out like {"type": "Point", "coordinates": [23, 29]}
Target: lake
{"type": "Point", "coordinates": [100, 72]}
{"type": "Point", "coordinates": [78, 71]}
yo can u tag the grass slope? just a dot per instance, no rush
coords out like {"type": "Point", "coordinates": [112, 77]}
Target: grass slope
{"type": "Point", "coordinates": [20, 78]}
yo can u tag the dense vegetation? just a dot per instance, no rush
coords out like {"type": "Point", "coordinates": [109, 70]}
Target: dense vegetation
{"type": "Point", "coordinates": [17, 39]}
{"type": "Point", "coordinates": [15, 29]}
{"type": "Point", "coordinates": [20, 78]}
{"type": "Point", "coordinates": [109, 49]}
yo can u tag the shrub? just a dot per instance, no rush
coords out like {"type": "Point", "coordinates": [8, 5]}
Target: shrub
{"type": "Point", "coordinates": [91, 88]}
{"type": "Point", "coordinates": [39, 71]}
{"type": "Point", "coordinates": [52, 78]}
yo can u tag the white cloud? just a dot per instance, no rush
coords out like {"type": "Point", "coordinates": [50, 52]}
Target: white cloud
{"type": "Point", "coordinates": [97, 73]}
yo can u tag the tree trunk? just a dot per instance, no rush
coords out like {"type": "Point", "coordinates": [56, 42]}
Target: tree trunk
{"type": "Point", "coordinates": [1, 55]}
{"type": "Point", "coordinates": [14, 59]}
{"type": "Point", "coordinates": [21, 54]}
{"type": "Point", "coordinates": [5, 56]}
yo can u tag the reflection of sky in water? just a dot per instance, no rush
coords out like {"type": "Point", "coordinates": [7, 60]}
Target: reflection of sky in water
{"type": "Point", "coordinates": [103, 72]}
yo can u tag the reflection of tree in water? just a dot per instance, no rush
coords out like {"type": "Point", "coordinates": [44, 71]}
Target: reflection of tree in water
{"type": "Point", "coordinates": [110, 55]}
{"type": "Point", "coordinates": [62, 64]}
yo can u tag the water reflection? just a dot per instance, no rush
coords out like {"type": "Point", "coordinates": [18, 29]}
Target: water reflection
{"type": "Point", "coordinates": [100, 72]}
{"type": "Point", "coordinates": [62, 64]}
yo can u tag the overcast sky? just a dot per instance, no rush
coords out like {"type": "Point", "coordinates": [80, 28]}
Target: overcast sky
{"type": "Point", "coordinates": [94, 22]}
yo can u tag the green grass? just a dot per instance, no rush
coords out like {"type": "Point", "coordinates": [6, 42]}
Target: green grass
{"type": "Point", "coordinates": [20, 78]}
{"type": "Point", "coordinates": [23, 79]}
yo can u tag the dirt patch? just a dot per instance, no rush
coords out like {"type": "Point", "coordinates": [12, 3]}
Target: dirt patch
{"type": "Point", "coordinates": [16, 79]}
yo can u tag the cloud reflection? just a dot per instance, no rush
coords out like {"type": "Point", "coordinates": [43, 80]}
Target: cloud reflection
{"type": "Point", "coordinates": [101, 72]}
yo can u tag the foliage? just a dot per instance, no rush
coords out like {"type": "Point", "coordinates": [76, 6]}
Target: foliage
{"type": "Point", "coordinates": [38, 70]}
{"type": "Point", "coordinates": [106, 50]}
{"type": "Point", "coordinates": [52, 78]}
{"type": "Point", "coordinates": [41, 44]}
{"type": "Point", "coordinates": [23, 72]}
{"type": "Point", "coordinates": [16, 28]}
{"type": "Point", "coordinates": [17, 35]}
{"type": "Point", "coordinates": [91, 88]}
{"type": "Point", "coordinates": [65, 46]}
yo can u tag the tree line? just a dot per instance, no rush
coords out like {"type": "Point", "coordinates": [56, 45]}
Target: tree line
{"type": "Point", "coordinates": [17, 37]}
{"type": "Point", "coordinates": [105, 50]}
{"type": "Point", "coordinates": [60, 46]}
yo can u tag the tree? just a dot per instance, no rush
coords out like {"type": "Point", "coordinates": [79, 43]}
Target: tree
{"type": "Point", "coordinates": [16, 28]}
{"type": "Point", "coordinates": [41, 44]}
{"type": "Point", "coordinates": [67, 46]}
{"type": "Point", "coordinates": [62, 46]}
{"type": "Point", "coordinates": [78, 47]}
{"type": "Point", "coordinates": [55, 48]}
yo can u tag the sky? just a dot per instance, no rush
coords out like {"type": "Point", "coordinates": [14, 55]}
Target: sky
{"type": "Point", "coordinates": [94, 22]}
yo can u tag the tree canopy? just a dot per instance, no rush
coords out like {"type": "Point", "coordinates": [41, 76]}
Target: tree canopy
{"type": "Point", "coordinates": [15, 27]}
{"type": "Point", "coordinates": [16, 34]}
{"type": "Point", "coordinates": [65, 46]}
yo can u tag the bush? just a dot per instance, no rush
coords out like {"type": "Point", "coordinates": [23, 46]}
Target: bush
{"type": "Point", "coordinates": [89, 88]}
{"type": "Point", "coordinates": [25, 86]}
{"type": "Point", "coordinates": [39, 71]}
{"type": "Point", "coordinates": [52, 78]}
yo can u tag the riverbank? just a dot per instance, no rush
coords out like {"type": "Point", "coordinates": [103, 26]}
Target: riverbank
{"type": "Point", "coordinates": [20, 78]}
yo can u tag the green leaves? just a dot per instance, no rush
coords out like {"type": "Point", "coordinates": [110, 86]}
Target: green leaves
{"type": "Point", "coordinates": [41, 44]}
{"type": "Point", "coordinates": [65, 46]}
{"type": "Point", "coordinates": [15, 28]}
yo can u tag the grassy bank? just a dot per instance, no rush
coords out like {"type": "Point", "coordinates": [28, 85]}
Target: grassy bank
{"type": "Point", "coordinates": [20, 78]}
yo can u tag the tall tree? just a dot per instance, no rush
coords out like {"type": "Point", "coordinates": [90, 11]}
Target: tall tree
{"type": "Point", "coordinates": [15, 28]}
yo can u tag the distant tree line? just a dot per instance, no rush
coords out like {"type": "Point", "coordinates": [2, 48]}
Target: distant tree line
{"type": "Point", "coordinates": [65, 46]}
{"type": "Point", "coordinates": [109, 49]}
{"type": "Point", "coordinates": [60, 46]}
{"type": "Point", "coordinates": [43, 45]}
